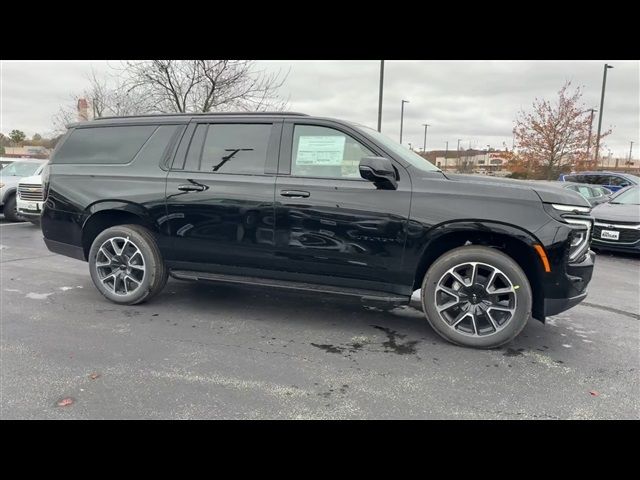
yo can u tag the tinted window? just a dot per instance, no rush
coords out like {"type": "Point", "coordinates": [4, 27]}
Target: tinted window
{"type": "Point", "coordinates": [326, 152]}
{"type": "Point", "coordinates": [192, 161]}
{"type": "Point", "coordinates": [569, 178]}
{"type": "Point", "coordinates": [619, 181]}
{"type": "Point", "coordinates": [153, 151]}
{"type": "Point", "coordinates": [235, 148]}
{"type": "Point", "coordinates": [600, 179]}
{"type": "Point", "coordinates": [103, 144]}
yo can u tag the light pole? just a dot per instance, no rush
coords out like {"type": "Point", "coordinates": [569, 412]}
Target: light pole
{"type": "Point", "coordinates": [380, 96]}
{"type": "Point", "coordinates": [410, 146]}
{"type": "Point", "coordinates": [424, 145]}
{"type": "Point", "coordinates": [630, 150]}
{"type": "Point", "coordinates": [592, 110]}
{"type": "Point", "coordinates": [604, 83]}
{"type": "Point", "coordinates": [458, 154]}
{"type": "Point", "coordinates": [446, 151]}
{"type": "Point", "coordinates": [402, 117]}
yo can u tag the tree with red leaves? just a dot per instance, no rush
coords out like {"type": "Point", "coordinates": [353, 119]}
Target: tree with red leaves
{"type": "Point", "coordinates": [554, 137]}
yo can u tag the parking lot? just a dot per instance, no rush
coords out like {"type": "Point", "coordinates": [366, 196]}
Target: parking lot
{"type": "Point", "coordinates": [210, 351]}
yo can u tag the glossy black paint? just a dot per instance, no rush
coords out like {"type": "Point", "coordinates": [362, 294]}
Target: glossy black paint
{"type": "Point", "coordinates": [340, 232]}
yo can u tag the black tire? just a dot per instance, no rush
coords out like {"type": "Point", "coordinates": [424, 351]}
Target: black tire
{"type": "Point", "coordinates": [155, 271]}
{"type": "Point", "coordinates": [521, 296]}
{"type": "Point", "coordinates": [11, 211]}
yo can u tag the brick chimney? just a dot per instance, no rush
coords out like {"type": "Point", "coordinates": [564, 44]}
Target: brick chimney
{"type": "Point", "coordinates": [83, 109]}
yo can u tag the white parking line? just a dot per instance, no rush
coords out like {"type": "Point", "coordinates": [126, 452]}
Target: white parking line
{"type": "Point", "coordinates": [15, 223]}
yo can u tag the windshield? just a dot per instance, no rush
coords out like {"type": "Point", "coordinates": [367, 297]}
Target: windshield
{"type": "Point", "coordinates": [410, 157]}
{"type": "Point", "coordinates": [628, 197]}
{"type": "Point", "coordinates": [20, 169]}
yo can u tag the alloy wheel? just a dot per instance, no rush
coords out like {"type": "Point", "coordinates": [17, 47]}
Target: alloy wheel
{"type": "Point", "coordinates": [120, 265]}
{"type": "Point", "coordinates": [475, 299]}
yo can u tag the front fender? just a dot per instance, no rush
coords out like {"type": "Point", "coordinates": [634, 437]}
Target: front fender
{"type": "Point", "coordinates": [426, 243]}
{"type": "Point", "coordinates": [10, 191]}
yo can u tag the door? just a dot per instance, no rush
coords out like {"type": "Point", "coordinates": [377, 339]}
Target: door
{"type": "Point", "coordinates": [332, 226]}
{"type": "Point", "coordinates": [220, 195]}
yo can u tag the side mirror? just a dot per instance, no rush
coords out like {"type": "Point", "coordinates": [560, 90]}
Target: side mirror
{"type": "Point", "coordinates": [380, 171]}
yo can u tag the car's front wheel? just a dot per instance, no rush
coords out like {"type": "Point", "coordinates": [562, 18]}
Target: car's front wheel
{"type": "Point", "coordinates": [476, 297]}
{"type": "Point", "coordinates": [11, 211]}
{"type": "Point", "coordinates": [126, 265]}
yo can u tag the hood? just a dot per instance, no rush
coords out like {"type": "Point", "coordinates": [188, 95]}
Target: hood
{"type": "Point", "coordinates": [547, 193]}
{"type": "Point", "coordinates": [33, 179]}
{"type": "Point", "coordinates": [611, 212]}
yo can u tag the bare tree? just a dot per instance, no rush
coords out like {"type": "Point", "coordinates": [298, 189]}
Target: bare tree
{"type": "Point", "coordinates": [204, 85]}
{"type": "Point", "coordinates": [554, 135]}
{"type": "Point", "coordinates": [107, 96]}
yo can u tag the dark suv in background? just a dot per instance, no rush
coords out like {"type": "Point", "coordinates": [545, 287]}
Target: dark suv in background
{"type": "Point", "coordinates": [289, 200]}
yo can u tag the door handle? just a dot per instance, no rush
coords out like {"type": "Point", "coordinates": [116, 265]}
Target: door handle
{"type": "Point", "coordinates": [190, 187]}
{"type": "Point", "coordinates": [294, 193]}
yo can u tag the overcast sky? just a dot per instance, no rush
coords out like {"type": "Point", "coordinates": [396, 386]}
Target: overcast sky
{"type": "Point", "coordinates": [475, 101]}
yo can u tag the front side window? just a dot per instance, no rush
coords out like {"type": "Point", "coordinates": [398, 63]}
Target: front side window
{"type": "Point", "coordinates": [619, 181]}
{"type": "Point", "coordinates": [326, 152]}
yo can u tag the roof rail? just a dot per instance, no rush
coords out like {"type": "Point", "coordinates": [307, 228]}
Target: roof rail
{"type": "Point", "coordinates": [298, 114]}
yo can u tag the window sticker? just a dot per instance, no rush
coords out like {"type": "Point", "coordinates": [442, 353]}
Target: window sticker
{"type": "Point", "coordinates": [320, 150]}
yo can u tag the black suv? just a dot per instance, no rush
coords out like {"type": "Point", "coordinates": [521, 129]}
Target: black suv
{"type": "Point", "coordinates": [295, 201]}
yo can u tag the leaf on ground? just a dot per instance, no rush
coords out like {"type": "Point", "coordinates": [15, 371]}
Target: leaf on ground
{"type": "Point", "coordinates": [65, 402]}
{"type": "Point", "coordinates": [93, 376]}
{"type": "Point", "coordinates": [593, 393]}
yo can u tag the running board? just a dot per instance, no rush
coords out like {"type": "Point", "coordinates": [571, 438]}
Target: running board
{"type": "Point", "coordinates": [365, 295]}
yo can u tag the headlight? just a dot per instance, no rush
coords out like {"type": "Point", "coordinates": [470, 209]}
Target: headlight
{"type": "Point", "coordinates": [580, 237]}
{"type": "Point", "coordinates": [571, 208]}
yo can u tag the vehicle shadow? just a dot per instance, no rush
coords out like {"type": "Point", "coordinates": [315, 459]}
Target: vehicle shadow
{"type": "Point", "coordinates": [320, 315]}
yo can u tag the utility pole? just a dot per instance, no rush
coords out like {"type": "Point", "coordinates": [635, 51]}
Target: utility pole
{"type": "Point", "coordinates": [380, 96]}
{"type": "Point", "coordinates": [458, 155]}
{"type": "Point", "coordinates": [410, 146]}
{"type": "Point", "coordinates": [630, 150]}
{"type": "Point", "coordinates": [604, 84]}
{"type": "Point", "coordinates": [445, 155]}
{"type": "Point", "coordinates": [592, 110]}
{"type": "Point", "coordinates": [424, 145]}
{"type": "Point", "coordinates": [402, 118]}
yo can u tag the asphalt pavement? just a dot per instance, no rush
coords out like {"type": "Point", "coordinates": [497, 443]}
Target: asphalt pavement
{"type": "Point", "coordinates": [202, 350]}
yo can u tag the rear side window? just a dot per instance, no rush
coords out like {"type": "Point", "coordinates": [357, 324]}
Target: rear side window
{"type": "Point", "coordinates": [569, 178]}
{"type": "Point", "coordinates": [585, 191]}
{"type": "Point", "coordinates": [104, 145]}
{"type": "Point", "coordinates": [238, 148]}
{"type": "Point", "coordinates": [155, 148]}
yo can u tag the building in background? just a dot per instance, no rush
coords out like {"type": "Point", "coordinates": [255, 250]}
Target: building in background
{"type": "Point", "coordinates": [482, 162]}
{"type": "Point", "coordinates": [27, 151]}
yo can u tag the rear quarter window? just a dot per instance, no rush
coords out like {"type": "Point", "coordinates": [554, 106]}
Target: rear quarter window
{"type": "Point", "coordinates": [104, 145]}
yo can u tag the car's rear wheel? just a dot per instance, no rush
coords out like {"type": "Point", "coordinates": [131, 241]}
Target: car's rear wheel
{"type": "Point", "coordinates": [126, 265]}
{"type": "Point", "coordinates": [11, 211]}
{"type": "Point", "coordinates": [476, 297]}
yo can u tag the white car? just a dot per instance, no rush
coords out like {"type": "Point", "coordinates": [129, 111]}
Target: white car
{"type": "Point", "coordinates": [30, 198]}
{"type": "Point", "coordinates": [10, 176]}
